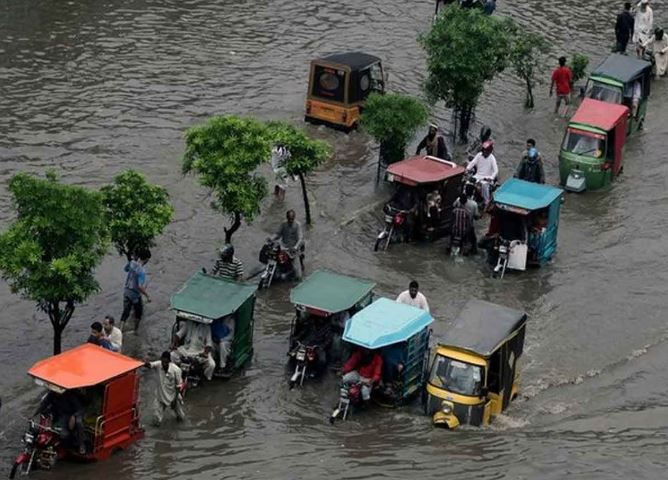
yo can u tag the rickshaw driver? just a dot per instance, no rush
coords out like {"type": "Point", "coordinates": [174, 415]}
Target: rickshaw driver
{"type": "Point", "coordinates": [433, 144]}
{"type": "Point", "coordinates": [318, 333]}
{"type": "Point", "coordinates": [366, 367]}
{"type": "Point", "coordinates": [486, 167]}
{"type": "Point", "coordinates": [197, 343]}
{"type": "Point", "coordinates": [66, 412]}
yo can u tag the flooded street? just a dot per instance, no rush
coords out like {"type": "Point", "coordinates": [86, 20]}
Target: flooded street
{"type": "Point", "coordinates": [90, 88]}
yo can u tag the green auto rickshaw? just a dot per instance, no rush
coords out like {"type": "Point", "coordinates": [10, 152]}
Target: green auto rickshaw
{"type": "Point", "coordinates": [622, 80]}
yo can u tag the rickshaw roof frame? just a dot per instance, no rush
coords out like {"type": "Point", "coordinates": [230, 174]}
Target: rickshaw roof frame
{"type": "Point", "coordinates": [84, 366]}
{"type": "Point", "coordinates": [206, 296]}
{"type": "Point", "coordinates": [526, 195]}
{"type": "Point", "coordinates": [622, 68]}
{"type": "Point", "coordinates": [355, 61]}
{"type": "Point", "coordinates": [330, 292]}
{"type": "Point", "coordinates": [611, 82]}
{"type": "Point", "coordinates": [481, 327]}
{"type": "Point", "coordinates": [422, 169]}
{"type": "Point", "coordinates": [599, 114]}
{"type": "Point", "coordinates": [385, 322]}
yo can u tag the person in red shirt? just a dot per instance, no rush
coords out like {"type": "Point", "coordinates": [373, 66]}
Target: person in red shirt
{"type": "Point", "coordinates": [562, 77]}
{"type": "Point", "coordinates": [364, 366]}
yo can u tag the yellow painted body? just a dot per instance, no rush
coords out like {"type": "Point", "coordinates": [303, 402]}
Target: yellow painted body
{"type": "Point", "coordinates": [332, 113]}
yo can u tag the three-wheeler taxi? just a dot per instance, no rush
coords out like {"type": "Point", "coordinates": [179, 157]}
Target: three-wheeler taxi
{"type": "Point", "coordinates": [338, 86]}
{"type": "Point", "coordinates": [623, 80]}
{"type": "Point", "coordinates": [425, 188]}
{"type": "Point", "coordinates": [324, 302]}
{"type": "Point", "coordinates": [390, 354]}
{"type": "Point", "coordinates": [102, 389]}
{"type": "Point", "coordinates": [524, 224]}
{"type": "Point", "coordinates": [591, 153]}
{"type": "Point", "coordinates": [474, 374]}
{"type": "Point", "coordinates": [213, 310]}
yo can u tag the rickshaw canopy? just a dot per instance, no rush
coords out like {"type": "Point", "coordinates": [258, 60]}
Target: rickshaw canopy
{"type": "Point", "coordinates": [482, 326]}
{"type": "Point", "coordinates": [84, 366]}
{"type": "Point", "coordinates": [602, 115]}
{"type": "Point", "coordinates": [330, 292]}
{"type": "Point", "coordinates": [385, 322]}
{"type": "Point", "coordinates": [352, 60]}
{"type": "Point", "coordinates": [526, 195]}
{"type": "Point", "coordinates": [205, 298]}
{"type": "Point", "coordinates": [622, 68]}
{"type": "Point", "coordinates": [423, 169]}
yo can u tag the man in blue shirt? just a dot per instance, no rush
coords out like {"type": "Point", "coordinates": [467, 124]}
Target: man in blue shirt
{"type": "Point", "coordinates": [97, 337]}
{"type": "Point", "coordinates": [135, 287]}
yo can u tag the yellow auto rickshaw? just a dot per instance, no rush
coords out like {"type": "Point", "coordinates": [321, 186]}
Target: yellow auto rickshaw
{"type": "Point", "coordinates": [474, 374]}
{"type": "Point", "coordinates": [338, 86]}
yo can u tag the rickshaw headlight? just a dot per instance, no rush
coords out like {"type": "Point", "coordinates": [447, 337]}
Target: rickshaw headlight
{"type": "Point", "coordinates": [446, 407]}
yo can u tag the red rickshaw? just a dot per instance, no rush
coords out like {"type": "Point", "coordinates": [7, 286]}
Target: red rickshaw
{"type": "Point", "coordinates": [106, 385]}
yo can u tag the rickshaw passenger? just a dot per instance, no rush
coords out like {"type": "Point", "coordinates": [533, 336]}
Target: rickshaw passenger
{"type": "Point", "coordinates": [66, 411]}
{"type": "Point", "coordinates": [632, 95]}
{"type": "Point", "coordinates": [197, 343]}
{"type": "Point", "coordinates": [222, 334]}
{"type": "Point", "coordinates": [366, 367]}
{"type": "Point", "coordinates": [434, 207]}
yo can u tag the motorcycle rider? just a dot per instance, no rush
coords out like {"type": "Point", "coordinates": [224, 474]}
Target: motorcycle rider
{"type": "Point", "coordinates": [486, 169]}
{"type": "Point", "coordinates": [366, 367]}
{"type": "Point", "coordinates": [317, 332]}
{"type": "Point", "coordinates": [530, 168]}
{"type": "Point", "coordinates": [66, 411]}
{"type": "Point", "coordinates": [292, 239]}
{"type": "Point", "coordinates": [197, 344]}
{"type": "Point", "coordinates": [434, 144]}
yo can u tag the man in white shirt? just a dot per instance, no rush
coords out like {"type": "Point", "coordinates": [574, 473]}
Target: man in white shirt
{"type": "Point", "coordinates": [413, 297]}
{"type": "Point", "coordinates": [113, 333]}
{"type": "Point", "coordinates": [486, 168]}
{"type": "Point", "coordinates": [197, 344]}
{"type": "Point", "coordinates": [170, 388]}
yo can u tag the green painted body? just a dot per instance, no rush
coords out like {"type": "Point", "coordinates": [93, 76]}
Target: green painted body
{"type": "Point", "coordinates": [634, 123]}
{"type": "Point", "coordinates": [595, 178]}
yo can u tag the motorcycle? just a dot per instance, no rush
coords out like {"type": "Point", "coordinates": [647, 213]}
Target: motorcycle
{"type": "Point", "coordinates": [192, 371]}
{"type": "Point", "coordinates": [349, 395]}
{"type": "Point", "coordinates": [306, 359]}
{"type": "Point", "coordinates": [42, 445]}
{"type": "Point", "coordinates": [471, 184]}
{"type": "Point", "coordinates": [502, 260]}
{"type": "Point", "coordinates": [278, 262]}
{"type": "Point", "coordinates": [395, 225]}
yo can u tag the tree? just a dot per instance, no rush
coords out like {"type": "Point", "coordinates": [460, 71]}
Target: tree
{"type": "Point", "coordinates": [579, 64]}
{"type": "Point", "coordinates": [48, 254]}
{"type": "Point", "coordinates": [135, 212]}
{"type": "Point", "coordinates": [465, 48]}
{"type": "Point", "coordinates": [306, 154]}
{"type": "Point", "coordinates": [392, 119]}
{"type": "Point", "coordinates": [527, 57]}
{"type": "Point", "coordinates": [225, 152]}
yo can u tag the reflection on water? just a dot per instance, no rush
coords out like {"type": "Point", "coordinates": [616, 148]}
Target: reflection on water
{"type": "Point", "coordinates": [90, 88]}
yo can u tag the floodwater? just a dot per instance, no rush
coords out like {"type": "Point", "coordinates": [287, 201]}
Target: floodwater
{"type": "Point", "coordinates": [90, 88]}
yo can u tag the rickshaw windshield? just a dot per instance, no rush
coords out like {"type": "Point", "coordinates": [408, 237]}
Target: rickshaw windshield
{"type": "Point", "coordinates": [603, 92]}
{"type": "Point", "coordinates": [456, 376]}
{"type": "Point", "coordinates": [584, 143]}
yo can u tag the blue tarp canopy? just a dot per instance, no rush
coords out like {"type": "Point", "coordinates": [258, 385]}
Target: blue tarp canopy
{"type": "Point", "coordinates": [385, 322]}
{"type": "Point", "coordinates": [528, 195]}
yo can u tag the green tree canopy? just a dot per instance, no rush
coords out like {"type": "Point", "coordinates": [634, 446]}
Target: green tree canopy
{"type": "Point", "coordinates": [465, 48]}
{"type": "Point", "coordinates": [225, 153]}
{"type": "Point", "coordinates": [579, 65]}
{"type": "Point", "coordinates": [135, 212]}
{"type": "Point", "coordinates": [49, 253]}
{"type": "Point", "coordinates": [306, 154]}
{"type": "Point", "coordinates": [527, 57]}
{"type": "Point", "coordinates": [392, 119]}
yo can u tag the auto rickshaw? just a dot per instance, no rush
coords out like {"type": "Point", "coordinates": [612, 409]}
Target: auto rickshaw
{"type": "Point", "coordinates": [425, 188]}
{"type": "Point", "coordinates": [338, 86]}
{"type": "Point", "coordinates": [591, 153]}
{"type": "Point", "coordinates": [399, 334]}
{"type": "Point", "coordinates": [475, 374]}
{"type": "Point", "coordinates": [211, 300]}
{"type": "Point", "coordinates": [106, 386]}
{"type": "Point", "coordinates": [524, 225]}
{"type": "Point", "coordinates": [324, 302]}
{"type": "Point", "coordinates": [618, 79]}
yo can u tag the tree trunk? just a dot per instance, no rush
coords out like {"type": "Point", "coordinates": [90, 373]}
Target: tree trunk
{"type": "Point", "coordinates": [59, 320]}
{"type": "Point", "coordinates": [465, 112]}
{"type": "Point", "coordinates": [530, 101]}
{"type": "Point", "coordinates": [307, 206]}
{"type": "Point", "coordinates": [233, 228]}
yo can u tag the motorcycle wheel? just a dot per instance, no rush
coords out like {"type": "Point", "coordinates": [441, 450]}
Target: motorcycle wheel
{"type": "Point", "coordinates": [15, 468]}
{"type": "Point", "coordinates": [376, 245]}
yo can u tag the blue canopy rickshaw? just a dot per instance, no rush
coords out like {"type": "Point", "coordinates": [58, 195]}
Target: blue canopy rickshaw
{"type": "Point", "coordinates": [523, 229]}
